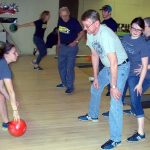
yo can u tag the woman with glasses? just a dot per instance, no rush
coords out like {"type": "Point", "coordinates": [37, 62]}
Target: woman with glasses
{"type": "Point", "coordinates": [137, 51]}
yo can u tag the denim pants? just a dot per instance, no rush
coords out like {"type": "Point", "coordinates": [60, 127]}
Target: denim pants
{"type": "Point", "coordinates": [135, 99]}
{"type": "Point", "coordinates": [66, 64]}
{"type": "Point", "coordinates": [116, 106]}
{"type": "Point", "coordinates": [40, 44]}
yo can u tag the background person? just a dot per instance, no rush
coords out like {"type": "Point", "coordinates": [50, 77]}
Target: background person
{"type": "Point", "coordinates": [38, 38]}
{"type": "Point", "coordinates": [138, 52]}
{"type": "Point", "coordinates": [69, 35]}
{"type": "Point", "coordinates": [8, 54]}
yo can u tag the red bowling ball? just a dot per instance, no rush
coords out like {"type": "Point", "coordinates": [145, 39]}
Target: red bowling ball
{"type": "Point", "coordinates": [17, 128]}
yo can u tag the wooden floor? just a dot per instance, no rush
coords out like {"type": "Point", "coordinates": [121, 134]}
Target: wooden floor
{"type": "Point", "coordinates": [51, 115]}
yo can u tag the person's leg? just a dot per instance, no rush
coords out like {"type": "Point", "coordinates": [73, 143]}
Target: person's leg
{"type": "Point", "coordinates": [71, 58]}
{"type": "Point", "coordinates": [95, 99]}
{"type": "Point", "coordinates": [116, 106]}
{"type": "Point", "coordinates": [131, 110]}
{"type": "Point", "coordinates": [116, 110]}
{"type": "Point", "coordinates": [138, 110]}
{"type": "Point", "coordinates": [62, 63]}
{"type": "Point", "coordinates": [124, 92]}
{"type": "Point", "coordinates": [3, 109]}
{"type": "Point", "coordinates": [42, 49]}
{"type": "Point", "coordinates": [146, 85]}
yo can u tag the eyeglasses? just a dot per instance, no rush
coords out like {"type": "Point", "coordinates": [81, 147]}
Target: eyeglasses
{"type": "Point", "coordinates": [136, 30]}
{"type": "Point", "coordinates": [86, 28]}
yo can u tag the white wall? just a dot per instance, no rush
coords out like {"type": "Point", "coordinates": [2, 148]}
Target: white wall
{"type": "Point", "coordinates": [29, 10]}
{"type": "Point", "coordinates": [123, 10]}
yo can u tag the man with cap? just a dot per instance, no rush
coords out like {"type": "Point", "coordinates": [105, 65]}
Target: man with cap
{"type": "Point", "coordinates": [108, 20]}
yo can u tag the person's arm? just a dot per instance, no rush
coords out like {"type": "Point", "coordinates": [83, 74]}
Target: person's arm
{"type": "Point", "coordinates": [76, 41]}
{"type": "Point", "coordinates": [138, 87]}
{"type": "Point", "coordinates": [3, 90]}
{"type": "Point", "coordinates": [30, 24]}
{"type": "Point", "coordinates": [114, 75]}
{"type": "Point", "coordinates": [148, 67]}
{"type": "Point", "coordinates": [95, 64]}
{"type": "Point", "coordinates": [58, 43]}
{"type": "Point", "coordinates": [139, 70]}
{"type": "Point", "coordinates": [9, 86]}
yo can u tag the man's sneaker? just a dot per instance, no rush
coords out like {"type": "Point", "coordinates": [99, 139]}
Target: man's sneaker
{"type": "Point", "coordinates": [106, 114]}
{"type": "Point", "coordinates": [87, 118]}
{"type": "Point", "coordinates": [69, 91]}
{"type": "Point", "coordinates": [38, 68]}
{"type": "Point", "coordinates": [110, 144]}
{"type": "Point", "coordinates": [128, 112]}
{"type": "Point", "coordinates": [60, 85]}
{"type": "Point", "coordinates": [136, 137]}
{"type": "Point", "coordinates": [5, 126]}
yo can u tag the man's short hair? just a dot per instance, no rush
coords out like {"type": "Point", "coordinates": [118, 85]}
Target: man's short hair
{"type": "Point", "coordinates": [90, 14]}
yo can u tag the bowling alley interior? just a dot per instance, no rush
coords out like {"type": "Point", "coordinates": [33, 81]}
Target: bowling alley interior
{"type": "Point", "coordinates": [53, 98]}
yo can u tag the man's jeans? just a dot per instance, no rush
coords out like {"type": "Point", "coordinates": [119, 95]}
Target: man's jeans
{"type": "Point", "coordinates": [66, 64]}
{"type": "Point", "coordinates": [116, 106]}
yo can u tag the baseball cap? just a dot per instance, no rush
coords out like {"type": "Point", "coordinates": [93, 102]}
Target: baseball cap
{"type": "Point", "coordinates": [106, 8]}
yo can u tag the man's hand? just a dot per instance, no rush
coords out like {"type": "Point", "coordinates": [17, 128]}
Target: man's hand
{"type": "Point", "coordinates": [74, 43]}
{"type": "Point", "coordinates": [115, 93]}
{"type": "Point", "coordinates": [95, 83]}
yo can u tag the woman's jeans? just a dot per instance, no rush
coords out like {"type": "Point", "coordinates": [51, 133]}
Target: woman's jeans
{"type": "Point", "coordinates": [135, 99]}
{"type": "Point", "coordinates": [40, 44]}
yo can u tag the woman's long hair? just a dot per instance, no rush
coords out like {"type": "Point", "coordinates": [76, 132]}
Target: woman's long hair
{"type": "Point", "coordinates": [44, 14]}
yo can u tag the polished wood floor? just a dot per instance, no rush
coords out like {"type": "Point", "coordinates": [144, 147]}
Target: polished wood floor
{"type": "Point", "coordinates": [51, 115]}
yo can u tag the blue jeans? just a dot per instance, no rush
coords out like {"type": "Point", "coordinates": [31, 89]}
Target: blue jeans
{"type": "Point", "coordinates": [40, 44]}
{"type": "Point", "coordinates": [66, 64]}
{"type": "Point", "coordinates": [116, 107]}
{"type": "Point", "coordinates": [135, 99]}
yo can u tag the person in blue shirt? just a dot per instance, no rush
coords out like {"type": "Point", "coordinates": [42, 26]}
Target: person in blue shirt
{"type": "Point", "coordinates": [138, 53]}
{"type": "Point", "coordinates": [70, 32]}
{"type": "Point", "coordinates": [38, 37]}
{"type": "Point", "coordinates": [8, 54]}
{"type": "Point", "coordinates": [108, 20]}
